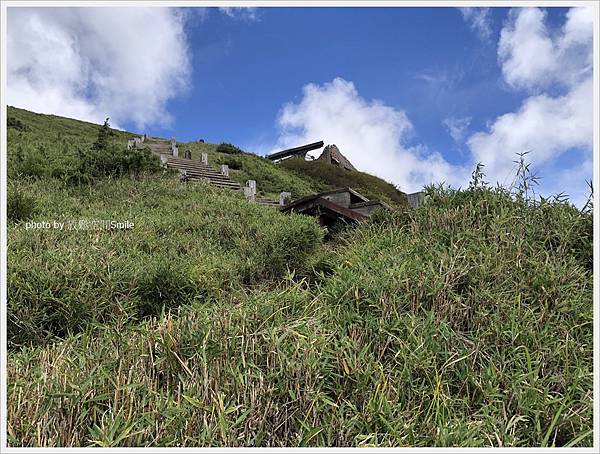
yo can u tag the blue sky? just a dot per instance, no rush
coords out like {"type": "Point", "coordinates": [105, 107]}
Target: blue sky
{"type": "Point", "coordinates": [414, 95]}
{"type": "Point", "coordinates": [426, 61]}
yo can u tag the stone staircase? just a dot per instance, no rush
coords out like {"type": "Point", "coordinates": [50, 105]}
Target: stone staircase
{"type": "Point", "coordinates": [194, 170]}
{"type": "Point", "coordinates": [267, 202]}
{"type": "Point", "coordinates": [191, 170]}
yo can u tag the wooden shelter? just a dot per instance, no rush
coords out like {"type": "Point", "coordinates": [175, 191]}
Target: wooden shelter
{"type": "Point", "coordinates": [344, 204]}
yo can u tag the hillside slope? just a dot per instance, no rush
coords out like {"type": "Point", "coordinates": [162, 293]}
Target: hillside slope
{"type": "Point", "coordinates": [52, 137]}
{"type": "Point", "coordinates": [216, 322]}
{"type": "Point", "coordinates": [297, 176]}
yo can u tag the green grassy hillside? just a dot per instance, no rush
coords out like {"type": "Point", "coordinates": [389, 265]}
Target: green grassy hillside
{"type": "Point", "coordinates": [216, 322]}
{"type": "Point", "coordinates": [328, 176]}
{"type": "Point", "coordinates": [297, 176]}
{"type": "Point", "coordinates": [54, 140]}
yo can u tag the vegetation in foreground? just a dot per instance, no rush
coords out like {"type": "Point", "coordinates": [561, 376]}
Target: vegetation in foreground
{"type": "Point", "coordinates": [466, 322]}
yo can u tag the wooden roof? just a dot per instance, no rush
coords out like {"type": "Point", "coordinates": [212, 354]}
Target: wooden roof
{"type": "Point", "coordinates": [322, 206]}
{"type": "Point", "coordinates": [318, 204]}
{"type": "Point", "coordinates": [301, 150]}
{"type": "Point", "coordinates": [355, 197]}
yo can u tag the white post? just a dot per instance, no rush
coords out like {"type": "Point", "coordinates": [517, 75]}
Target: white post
{"type": "Point", "coordinates": [250, 190]}
{"type": "Point", "coordinates": [175, 151]}
{"type": "Point", "coordinates": [225, 170]}
{"type": "Point", "coordinates": [284, 198]}
{"type": "Point", "coordinates": [164, 160]}
{"type": "Point", "coordinates": [205, 159]}
{"type": "Point", "coordinates": [248, 193]}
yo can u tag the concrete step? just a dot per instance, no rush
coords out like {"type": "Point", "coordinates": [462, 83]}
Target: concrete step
{"type": "Point", "coordinates": [200, 172]}
{"type": "Point", "coordinates": [266, 201]}
{"type": "Point", "coordinates": [183, 161]}
{"type": "Point", "coordinates": [209, 176]}
{"type": "Point", "coordinates": [156, 141]}
{"type": "Point", "coordinates": [189, 165]}
{"type": "Point", "coordinates": [213, 180]}
{"type": "Point", "coordinates": [226, 186]}
{"type": "Point", "coordinates": [192, 165]}
{"type": "Point", "coordinates": [195, 169]}
{"type": "Point", "coordinates": [219, 184]}
{"type": "Point", "coordinates": [214, 175]}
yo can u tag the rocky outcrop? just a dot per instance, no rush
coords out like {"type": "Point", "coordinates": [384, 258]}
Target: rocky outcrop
{"type": "Point", "coordinates": [332, 155]}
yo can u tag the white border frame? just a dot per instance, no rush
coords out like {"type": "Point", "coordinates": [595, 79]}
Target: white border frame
{"type": "Point", "coordinates": [300, 3]}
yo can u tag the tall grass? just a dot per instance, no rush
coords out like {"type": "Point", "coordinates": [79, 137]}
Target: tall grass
{"type": "Point", "coordinates": [215, 322]}
{"type": "Point", "coordinates": [450, 325]}
{"type": "Point", "coordinates": [189, 242]}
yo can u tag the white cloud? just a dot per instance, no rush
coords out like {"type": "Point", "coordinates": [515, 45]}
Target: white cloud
{"type": "Point", "coordinates": [375, 136]}
{"type": "Point", "coordinates": [544, 125]}
{"type": "Point", "coordinates": [548, 125]}
{"type": "Point", "coordinates": [457, 127]}
{"type": "Point", "coordinates": [246, 13]}
{"type": "Point", "coordinates": [370, 134]}
{"type": "Point", "coordinates": [479, 19]}
{"type": "Point", "coordinates": [532, 58]}
{"type": "Point", "coordinates": [90, 63]}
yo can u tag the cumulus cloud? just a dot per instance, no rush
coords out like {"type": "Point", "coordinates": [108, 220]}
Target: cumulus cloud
{"type": "Point", "coordinates": [246, 13]}
{"type": "Point", "coordinates": [457, 127]}
{"type": "Point", "coordinates": [479, 20]}
{"type": "Point", "coordinates": [90, 63]}
{"type": "Point", "coordinates": [375, 137]}
{"type": "Point", "coordinates": [372, 135]}
{"type": "Point", "coordinates": [546, 126]}
{"type": "Point", "coordinates": [548, 123]}
{"type": "Point", "coordinates": [531, 57]}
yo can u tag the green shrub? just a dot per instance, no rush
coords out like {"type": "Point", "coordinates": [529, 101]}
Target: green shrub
{"type": "Point", "coordinates": [164, 285]}
{"type": "Point", "coordinates": [232, 163]}
{"type": "Point", "coordinates": [29, 161]}
{"type": "Point", "coordinates": [113, 161]}
{"type": "Point", "coordinates": [105, 136]}
{"type": "Point", "coordinates": [19, 206]}
{"type": "Point", "coordinates": [228, 148]}
{"type": "Point", "coordinates": [64, 154]}
{"type": "Point", "coordinates": [492, 282]}
{"type": "Point", "coordinates": [15, 123]}
{"type": "Point", "coordinates": [190, 243]}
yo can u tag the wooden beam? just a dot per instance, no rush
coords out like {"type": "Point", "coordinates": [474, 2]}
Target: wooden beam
{"type": "Point", "coordinates": [297, 151]}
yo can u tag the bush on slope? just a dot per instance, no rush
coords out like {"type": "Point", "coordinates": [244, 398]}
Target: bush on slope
{"type": "Point", "coordinates": [459, 324]}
